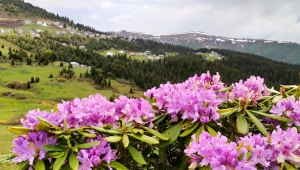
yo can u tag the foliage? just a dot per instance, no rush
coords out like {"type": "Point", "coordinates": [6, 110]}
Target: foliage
{"type": "Point", "coordinates": [200, 123]}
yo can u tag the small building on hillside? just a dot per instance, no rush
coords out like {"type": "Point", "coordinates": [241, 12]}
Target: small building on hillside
{"type": "Point", "coordinates": [27, 22]}
{"type": "Point", "coordinates": [81, 47]}
{"type": "Point", "coordinates": [39, 22]}
{"type": "Point", "coordinates": [110, 53]}
{"type": "Point", "coordinates": [147, 53]}
{"type": "Point", "coordinates": [75, 64]}
{"type": "Point", "coordinates": [121, 52]}
{"type": "Point", "coordinates": [2, 31]}
{"type": "Point", "coordinates": [56, 24]}
{"type": "Point", "coordinates": [38, 30]}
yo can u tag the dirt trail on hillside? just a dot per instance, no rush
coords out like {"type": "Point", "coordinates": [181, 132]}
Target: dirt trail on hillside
{"type": "Point", "coordinates": [11, 23]}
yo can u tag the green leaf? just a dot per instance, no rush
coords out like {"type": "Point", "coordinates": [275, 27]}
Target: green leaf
{"type": "Point", "coordinates": [87, 134]}
{"type": "Point", "coordinates": [110, 131]}
{"type": "Point", "coordinates": [160, 119]}
{"type": "Point", "coordinates": [282, 119]}
{"type": "Point", "coordinates": [113, 139]}
{"type": "Point", "coordinates": [277, 98]}
{"type": "Point", "coordinates": [211, 131]}
{"type": "Point", "coordinates": [242, 125]}
{"type": "Point", "coordinates": [157, 134]}
{"type": "Point", "coordinates": [46, 121]}
{"type": "Point", "coordinates": [144, 138]}
{"type": "Point", "coordinates": [184, 164]}
{"type": "Point", "coordinates": [136, 155]}
{"type": "Point", "coordinates": [73, 161]}
{"type": "Point", "coordinates": [53, 148]}
{"type": "Point", "coordinates": [42, 126]}
{"type": "Point", "coordinates": [74, 148]}
{"type": "Point", "coordinates": [58, 132]}
{"type": "Point", "coordinates": [140, 131]}
{"type": "Point", "coordinates": [88, 145]}
{"type": "Point", "coordinates": [225, 89]}
{"type": "Point", "coordinates": [189, 130]}
{"type": "Point", "coordinates": [227, 112]}
{"type": "Point", "coordinates": [257, 123]}
{"type": "Point", "coordinates": [162, 154]}
{"type": "Point", "coordinates": [249, 154]}
{"type": "Point", "coordinates": [173, 135]}
{"type": "Point", "coordinates": [118, 166]}
{"type": "Point", "coordinates": [125, 140]}
{"type": "Point", "coordinates": [288, 166]}
{"type": "Point", "coordinates": [39, 164]}
{"type": "Point", "coordinates": [19, 130]}
{"type": "Point", "coordinates": [199, 131]}
{"type": "Point", "coordinates": [60, 161]}
{"type": "Point", "coordinates": [59, 155]}
{"type": "Point", "coordinates": [21, 166]}
{"type": "Point", "coordinates": [51, 154]}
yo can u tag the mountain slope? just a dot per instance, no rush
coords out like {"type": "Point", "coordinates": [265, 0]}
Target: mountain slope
{"type": "Point", "coordinates": [281, 51]}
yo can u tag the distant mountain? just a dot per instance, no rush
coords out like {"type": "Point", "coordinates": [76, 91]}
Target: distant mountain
{"type": "Point", "coordinates": [277, 50]}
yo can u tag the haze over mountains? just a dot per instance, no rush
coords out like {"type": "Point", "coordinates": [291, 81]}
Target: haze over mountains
{"type": "Point", "coordinates": [278, 50]}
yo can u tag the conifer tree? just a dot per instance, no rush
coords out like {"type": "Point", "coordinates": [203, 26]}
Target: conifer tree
{"type": "Point", "coordinates": [131, 91]}
{"type": "Point", "coordinates": [28, 85]}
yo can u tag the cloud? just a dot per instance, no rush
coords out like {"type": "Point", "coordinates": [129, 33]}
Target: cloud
{"type": "Point", "coordinates": [123, 18]}
{"type": "Point", "coordinates": [298, 19]}
{"type": "Point", "coordinates": [96, 16]}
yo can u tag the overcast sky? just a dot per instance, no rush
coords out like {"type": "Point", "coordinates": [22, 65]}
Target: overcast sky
{"type": "Point", "coordinates": [259, 19]}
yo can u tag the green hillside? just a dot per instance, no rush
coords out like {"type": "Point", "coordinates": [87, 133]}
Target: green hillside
{"type": "Point", "coordinates": [278, 51]}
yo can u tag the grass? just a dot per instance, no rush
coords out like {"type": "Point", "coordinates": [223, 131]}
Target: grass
{"type": "Point", "coordinates": [6, 46]}
{"type": "Point", "coordinates": [139, 57]}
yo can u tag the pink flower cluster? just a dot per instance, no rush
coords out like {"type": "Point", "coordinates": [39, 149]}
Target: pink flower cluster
{"type": "Point", "coordinates": [252, 90]}
{"type": "Point", "coordinates": [267, 152]}
{"type": "Point", "coordinates": [95, 110]}
{"type": "Point", "coordinates": [289, 108]}
{"type": "Point", "coordinates": [195, 99]}
{"type": "Point", "coordinates": [92, 157]}
{"type": "Point", "coordinates": [29, 148]}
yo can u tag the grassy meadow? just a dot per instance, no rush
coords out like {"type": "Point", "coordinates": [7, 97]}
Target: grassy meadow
{"type": "Point", "coordinates": [45, 94]}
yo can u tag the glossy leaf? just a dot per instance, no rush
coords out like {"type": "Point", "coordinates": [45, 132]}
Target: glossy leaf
{"type": "Point", "coordinates": [88, 145]}
{"type": "Point", "coordinates": [257, 123]}
{"type": "Point", "coordinates": [282, 119]}
{"type": "Point", "coordinates": [125, 140]}
{"type": "Point", "coordinates": [59, 155]}
{"type": "Point", "coordinates": [46, 121]}
{"type": "Point", "coordinates": [136, 155]}
{"type": "Point", "coordinates": [227, 113]}
{"type": "Point", "coordinates": [109, 131]}
{"type": "Point", "coordinates": [88, 134]}
{"type": "Point", "coordinates": [117, 165]}
{"type": "Point", "coordinates": [277, 98]}
{"type": "Point", "coordinates": [53, 148]}
{"type": "Point", "coordinates": [40, 165]}
{"type": "Point", "coordinates": [113, 139]}
{"type": "Point", "coordinates": [189, 130]}
{"type": "Point", "coordinates": [173, 135]}
{"type": "Point", "coordinates": [73, 161]}
{"type": "Point", "coordinates": [157, 134]}
{"type": "Point", "coordinates": [211, 131]}
{"type": "Point", "coordinates": [42, 126]}
{"type": "Point", "coordinates": [199, 131]}
{"type": "Point", "coordinates": [144, 138]}
{"type": "Point", "coordinates": [288, 166]}
{"type": "Point", "coordinates": [184, 164]}
{"type": "Point", "coordinates": [60, 161]}
{"type": "Point", "coordinates": [242, 125]}
{"type": "Point", "coordinates": [19, 130]}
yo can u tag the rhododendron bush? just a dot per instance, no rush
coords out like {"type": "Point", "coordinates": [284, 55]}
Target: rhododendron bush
{"type": "Point", "coordinates": [198, 124]}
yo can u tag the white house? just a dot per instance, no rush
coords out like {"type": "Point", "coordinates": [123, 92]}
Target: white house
{"type": "Point", "coordinates": [82, 47]}
{"type": "Point", "coordinates": [44, 24]}
{"type": "Point", "coordinates": [64, 44]}
{"type": "Point", "coordinates": [27, 22]}
{"type": "Point", "coordinates": [39, 22]}
{"type": "Point", "coordinates": [56, 23]}
{"type": "Point", "coordinates": [110, 53]}
{"type": "Point", "coordinates": [121, 52]}
{"type": "Point", "coordinates": [75, 64]}
{"type": "Point", "coordinates": [2, 31]}
{"type": "Point", "coordinates": [38, 30]}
